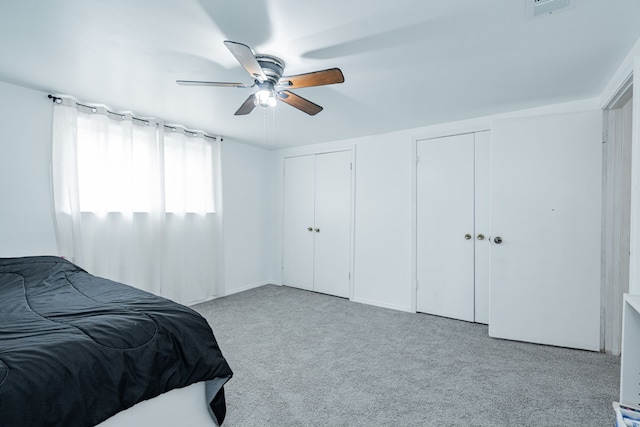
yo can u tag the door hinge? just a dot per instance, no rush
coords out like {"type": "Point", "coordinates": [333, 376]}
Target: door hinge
{"type": "Point", "coordinates": [349, 275]}
{"type": "Point", "coordinates": [350, 166]}
{"type": "Point", "coordinates": [417, 159]}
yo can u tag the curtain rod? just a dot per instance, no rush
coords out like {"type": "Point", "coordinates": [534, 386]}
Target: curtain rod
{"type": "Point", "coordinates": [59, 100]}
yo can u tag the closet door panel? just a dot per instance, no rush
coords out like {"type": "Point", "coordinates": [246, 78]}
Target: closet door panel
{"type": "Point", "coordinates": [298, 216]}
{"type": "Point", "coordinates": [333, 223]}
{"type": "Point", "coordinates": [546, 184]}
{"type": "Point", "coordinates": [482, 225]}
{"type": "Point", "coordinates": [445, 226]}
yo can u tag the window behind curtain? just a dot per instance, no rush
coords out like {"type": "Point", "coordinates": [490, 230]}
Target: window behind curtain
{"type": "Point", "coordinates": [118, 166]}
{"type": "Point", "coordinates": [134, 203]}
{"type": "Point", "coordinates": [188, 174]}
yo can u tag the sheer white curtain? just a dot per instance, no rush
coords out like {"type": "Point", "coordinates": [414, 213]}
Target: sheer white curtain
{"type": "Point", "coordinates": [137, 204]}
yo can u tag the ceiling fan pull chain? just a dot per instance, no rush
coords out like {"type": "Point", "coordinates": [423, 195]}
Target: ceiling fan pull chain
{"type": "Point", "coordinates": [264, 126]}
{"type": "Point", "coordinates": [273, 127]}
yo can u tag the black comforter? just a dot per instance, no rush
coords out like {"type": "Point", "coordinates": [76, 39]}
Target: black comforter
{"type": "Point", "coordinates": [76, 349]}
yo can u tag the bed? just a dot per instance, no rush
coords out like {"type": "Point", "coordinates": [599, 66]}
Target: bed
{"type": "Point", "coordinates": [76, 349]}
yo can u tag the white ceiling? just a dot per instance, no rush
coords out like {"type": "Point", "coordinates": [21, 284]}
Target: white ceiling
{"type": "Point", "coordinates": [407, 63]}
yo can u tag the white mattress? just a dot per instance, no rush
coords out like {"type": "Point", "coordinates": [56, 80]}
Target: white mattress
{"type": "Point", "coordinates": [180, 407]}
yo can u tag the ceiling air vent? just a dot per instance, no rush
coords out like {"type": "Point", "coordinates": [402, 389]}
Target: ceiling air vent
{"type": "Point", "coordinates": [545, 7]}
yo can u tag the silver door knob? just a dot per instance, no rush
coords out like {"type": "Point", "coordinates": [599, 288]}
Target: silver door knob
{"type": "Point", "coordinates": [309, 228]}
{"type": "Point", "coordinates": [480, 236]}
{"type": "Point", "coordinates": [467, 236]}
{"type": "Point", "coordinates": [497, 240]}
{"type": "Point", "coordinates": [317, 230]}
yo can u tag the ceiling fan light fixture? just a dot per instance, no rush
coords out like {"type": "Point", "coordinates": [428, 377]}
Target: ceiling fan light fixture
{"type": "Point", "coordinates": [266, 72]}
{"type": "Point", "coordinates": [265, 98]}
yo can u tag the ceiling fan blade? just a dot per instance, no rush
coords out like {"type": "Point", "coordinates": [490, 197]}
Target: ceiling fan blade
{"type": "Point", "coordinates": [201, 83]}
{"type": "Point", "coordinates": [299, 102]}
{"type": "Point", "coordinates": [247, 59]}
{"type": "Point", "coordinates": [316, 78]}
{"type": "Point", "coordinates": [247, 106]}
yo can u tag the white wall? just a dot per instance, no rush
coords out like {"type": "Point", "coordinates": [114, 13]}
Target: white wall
{"type": "Point", "coordinates": [252, 195]}
{"type": "Point", "coordinates": [381, 272]}
{"type": "Point", "coordinates": [252, 200]}
{"type": "Point", "coordinates": [26, 220]}
{"type": "Point", "coordinates": [384, 259]}
{"type": "Point", "coordinates": [26, 213]}
{"type": "Point", "coordinates": [384, 225]}
{"type": "Point", "coordinates": [247, 205]}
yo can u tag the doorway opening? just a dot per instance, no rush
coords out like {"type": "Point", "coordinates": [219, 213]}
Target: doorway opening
{"type": "Point", "coordinates": [616, 214]}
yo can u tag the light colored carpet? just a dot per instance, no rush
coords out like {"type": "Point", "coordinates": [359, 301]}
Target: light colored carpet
{"type": "Point", "coordinates": [306, 359]}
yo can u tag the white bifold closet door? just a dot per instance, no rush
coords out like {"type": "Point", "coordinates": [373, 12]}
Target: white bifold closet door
{"type": "Point", "coordinates": [332, 233]}
{"type": "Point", "coordinates": [317, 222]}
{"type": "Point", "coordinates": [452, 226]}
{"type": "Point", "coordinates": [546, 183]}
{"type": "Point", "coordinates": [299, 216]}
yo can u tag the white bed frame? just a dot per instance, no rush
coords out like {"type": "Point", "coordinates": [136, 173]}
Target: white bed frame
{"type": "Point", "coordinates": [180, 407]}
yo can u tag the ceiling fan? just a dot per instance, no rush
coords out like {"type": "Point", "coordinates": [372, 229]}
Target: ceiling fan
{"type": "Point", "coordinates": [266, 72]}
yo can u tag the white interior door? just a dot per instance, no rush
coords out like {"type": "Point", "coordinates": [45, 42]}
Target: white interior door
{"type": "Point", "coordinates": [333, 223]}
{"type": "Point", "coordinates": [546, 177]}
{"type": "Point", "coordinates": [298, 220]}
{"type": "Point", "coordinates": [445, 226]}
{"type": "Point", "coordinates": [482, 276]}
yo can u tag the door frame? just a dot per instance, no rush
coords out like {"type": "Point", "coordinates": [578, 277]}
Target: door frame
{"type": "Point", "coordinates": [616, 195]}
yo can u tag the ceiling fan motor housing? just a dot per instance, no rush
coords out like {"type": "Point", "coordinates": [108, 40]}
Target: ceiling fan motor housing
{"type": "Point", "coordinates": [272, 67]}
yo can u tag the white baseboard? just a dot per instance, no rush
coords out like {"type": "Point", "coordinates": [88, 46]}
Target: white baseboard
{"type": "Point", "coordinates": [228, 292]}
{"type": "Point", "coordinates": [384, 305]}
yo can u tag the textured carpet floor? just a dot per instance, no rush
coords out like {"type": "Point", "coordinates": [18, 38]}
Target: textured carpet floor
{"type": "Point", "coordinates": [305, 359]}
